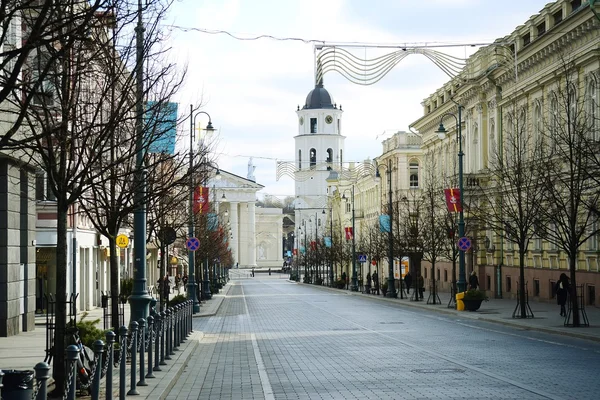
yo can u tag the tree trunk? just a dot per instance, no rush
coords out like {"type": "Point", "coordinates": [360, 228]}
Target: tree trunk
{"type": "Point", "coordinates": [114, 283]}
{"type": "Point", "coordinates": [522, 283]}
{"type": "Point", "coordinates": [573, 288]}
{"type": "Point", "coordinates": [59, 368]}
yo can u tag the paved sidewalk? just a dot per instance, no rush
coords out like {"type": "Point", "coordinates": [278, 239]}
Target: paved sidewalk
{"type": "Point", "coordinates": [546, 315]}
{"type": "Point", "coordinates": [24, 351]}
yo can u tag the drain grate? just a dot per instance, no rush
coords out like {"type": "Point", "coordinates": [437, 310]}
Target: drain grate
{"type": "Point", "coordinates": [392, 323]}
{"type": "Point", "coordinates": [439, 371]}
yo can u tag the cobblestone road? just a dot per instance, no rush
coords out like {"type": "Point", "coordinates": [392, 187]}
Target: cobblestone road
{"type": "Point", "coordinates": [277, 340]}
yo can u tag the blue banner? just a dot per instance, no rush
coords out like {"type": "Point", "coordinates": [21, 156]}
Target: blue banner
{"type": "Point", "coordinates": [384, 223]}
{"type": "Point", "coordinates": [327, 241]}
{"type": "Point", "coordinates": [161, 126]}
{"type": "Point", "coordinates": [212, 222]}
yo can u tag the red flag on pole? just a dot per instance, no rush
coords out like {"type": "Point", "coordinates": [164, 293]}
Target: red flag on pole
{"type": "Point", "coordinates": [349, 232]}
{"type": "Point", "coordinates": [453, 200]}
{"type": "Point", "coordinates": [201, 200]}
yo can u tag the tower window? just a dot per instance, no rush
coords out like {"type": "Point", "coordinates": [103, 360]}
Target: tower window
{"type": "Point", "coordinates": [339, 126]}
{"type": "Point", "coordinates": [313, 125]}
{"type": "Point", "coordinates": [414, 174]}
{"type": "Point", "coordinates": [299, 159]}
{"type": "Point", "coordinates": [329, 157]}
{"type": "Point", "coordinates": [313, 158]}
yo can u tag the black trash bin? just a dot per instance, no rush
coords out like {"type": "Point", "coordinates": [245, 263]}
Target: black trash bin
{"type": "Point", "coordinates": [17, 385]}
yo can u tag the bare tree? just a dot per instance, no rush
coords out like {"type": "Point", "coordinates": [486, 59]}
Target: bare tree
{"type": "Point", "coordinates": [570, 185]}
{"type": "Point", "coordinates": [514, 198]}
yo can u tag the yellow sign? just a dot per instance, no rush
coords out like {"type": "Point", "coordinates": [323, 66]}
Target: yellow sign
{"type": "Point", "coordinates": [122, 241]}
{"type": "Point", "coordinates": [174, 260]}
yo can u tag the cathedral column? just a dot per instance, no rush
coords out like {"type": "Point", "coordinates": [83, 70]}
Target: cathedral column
{"type": "Point", "coordinates": [235, 230]}
{"type": "Point", "coordinates": [252, 233]}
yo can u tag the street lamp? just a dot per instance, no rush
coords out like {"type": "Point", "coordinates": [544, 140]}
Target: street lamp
{"type": "Point", "coordinates": [391, 292]}
{"type": "Point", "coordinates": [354, 286]}
{"type": "Point", "coordinates": [462, 283]}
{"type": "Point", "coordinates": [191, 259]}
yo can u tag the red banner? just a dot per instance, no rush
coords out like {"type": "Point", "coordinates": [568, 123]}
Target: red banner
{"type": "Point", "coordinates": [349, 233]}
{"type": "Point", "coordinates": [313, 245]}
{"type": "Point", "coordinates": [201, 203]}
{"type": "Point", "coordinates": [453, 200]}
{"type": "Point", "coordinates": [295, 252]}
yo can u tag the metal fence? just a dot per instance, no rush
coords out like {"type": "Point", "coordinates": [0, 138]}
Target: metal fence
{"type": "Point", "coordinates": [147, 344]}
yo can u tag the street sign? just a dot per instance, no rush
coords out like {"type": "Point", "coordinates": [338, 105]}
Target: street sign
{"type": "Point", "coordinates": [167, 235]}
{"type": "Point", "coordinates": [192, 244]}
{"type": "Point", "coordinates": [362, 258]}
{"type": "Point", "coordinates": [464, 243]}
{"type": "Point", "coordinates": [122, 241]}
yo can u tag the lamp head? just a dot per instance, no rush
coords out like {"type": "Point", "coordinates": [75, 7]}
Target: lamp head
{"type": "Point", "coordinates": [224, 198]}
{"type": "Point", "coordinates": [209, 127]}
{"type": "Point", "coordinates": [218, 176]}
{"type": "Point", "coordinates": [441, 131]}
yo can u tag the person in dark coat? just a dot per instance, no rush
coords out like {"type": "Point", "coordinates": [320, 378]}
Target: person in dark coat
{"type": "Point", "coordinates": [473, 281]}
{"type": "Point", "coordinates": [345, 278]}
{"type": "Point", "coordinates": [420, 285]}
{"type": "Point", "coordinates": [368, 283]}
{"type": "Point", "coordinates": [376, 282]}
{"type": "Point", "coordinates": [408, 281]}
{"type": "Point", "coordinates": [562, 289]}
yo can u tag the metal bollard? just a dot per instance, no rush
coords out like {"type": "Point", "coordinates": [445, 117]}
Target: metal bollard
{"type": "Point", "coordinates": [98, 351]}
{"type": "Point", "coordinates": [163, 337]}
{"type": "Point", "coordinates": [1, 375]}
{"type": "Point", "coordinates": [191, 317]}
{"type": "Point", "coordinates": [110, 345]}
{"type": "Point", "coordinates": [176, 329]}
{"type": "Point", "coordinates": [122, 370]}
{"type": "Point", "coordinates": [150, 336]}
{"type": "Point", "coordinates": [171, 333]}
{"type": "Point", "coordinates": [157, 327]}
{"type": "Point", "coordinates": [142, 335]}
{"type": "Point", "coordinates": [183, 327]}
{"type": "Point", "coordinates": [42, 374]}
{"type": "Point", "coordinates": [168, 334]}
{"type": "Point", "coordinates": [134, 340]}
{"type": "Point", "coordinates": [72, 356]}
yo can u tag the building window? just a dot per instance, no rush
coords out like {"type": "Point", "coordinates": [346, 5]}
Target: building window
{"type": "Point", "coordinates": [592, 109]}
{"type": "Point", "coordinates": [488, 282]}
{"type": "Point", "coordinates": [508, 284]}
{"type": "Point", "coordinates": [445, 275]}
{"type": "Point", "coordinates": [538, 127]}
{"type": "Point", "coordinates": [526, 39]}
{"type": "Point", "coordinates": [299, 159]}
{"type": "Point", "coordinates": [541, 29]}
{"type": "Point", "coordinates": [557, 17]}
{"type": "Point", "coordinates": [575, 4]}
{"type": "Point", "coordinates": [536, 287]}
{"type": "Point", "coordinates": [339, 126]}
{"type": "Point", "coordinates": [438, 274]}
{"type": "Point", "coordinates": [46, 90]}
{"type": "Point", "coordinates": [414, 174]}
{"type": "Point", "coordinates": [572, 107]}
{"type": "Point", "coordinates": [348, 207]}
{"type": "Point", "coordinates": [313, 158]}
{"type": "Point", "coordinates": [553, 122]}
{"type": "Point", "coordinates": [43, 191]}
{"type": "Point", "coordinates": [591, 295]}
{"type": "Point", "coordinates": [329, 157]}
{"type": "Point", "coordinates": [552, 288]}
{"type": "Point", "coordinates": [313, 125]}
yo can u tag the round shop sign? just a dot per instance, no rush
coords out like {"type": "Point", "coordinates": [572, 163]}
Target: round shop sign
{"type": "Point", "coordinates": [122, 241]}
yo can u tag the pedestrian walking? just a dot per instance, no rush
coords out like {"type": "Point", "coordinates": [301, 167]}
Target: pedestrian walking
{"type": "Point", "coordinates": [408, 281]}
{"type": "Point", "coordinates": [178, 283]}
{"type": "Point", "coordinates": [562, 289]}
{"type": "Point", "coordinates": [473, 281]}
{"type": "Point", "coordinates": [253, 272]}
{"type": "Point", "coordinates": [344, 278]}
{"type": "Point", "coordinates": [184, 279]}
{"type": "Point", "coordinates": [368, 283]}
{"type": "Point", "coordinates": [376, 282]}
{"type": "Point", "coordinates": [269, 271]}
{"type": "Point", "coordinates": [166, 286]}
{"type": "Point", "coordinates": [420, 286]}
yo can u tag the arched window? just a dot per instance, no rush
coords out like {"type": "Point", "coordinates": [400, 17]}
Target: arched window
{"type": "Point", "coordinates": [329, 158]}
{"type": "Point", "coordinates": [313, 158]}
{"type": "Point", "coordinates": [299, 159]}
{"type": "Point", "coordinates": [537, 123]}
{"type": "Point", "coordinates": [413, 174]}
{"type": "Point", "coordinates": [572, 107]}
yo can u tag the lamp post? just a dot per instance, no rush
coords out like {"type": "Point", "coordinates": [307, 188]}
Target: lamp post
{"type": "Point", "coordinates": [462, 283]}
{"type": "Point", "coordinates": [354, 286]}
{"type": "Point", "coordinates": [391, 292]}
{"type": "Point", "coordinates": [330, 246]}
{"type": "Point", "coordinates": [191, 259]}
{"type": "Point", "coordinates": [139, 299]}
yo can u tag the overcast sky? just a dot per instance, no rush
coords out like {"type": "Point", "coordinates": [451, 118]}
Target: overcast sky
{"type": "Point", "coordinates": [251, 88]}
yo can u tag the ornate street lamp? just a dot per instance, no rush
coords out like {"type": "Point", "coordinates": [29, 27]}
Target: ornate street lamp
{"type": "Point", "coordinates": [391, 292]}
{"type": "Point", "coordinates": [191, 259]}
{"type": "Point", "coordinates": [462, 282]}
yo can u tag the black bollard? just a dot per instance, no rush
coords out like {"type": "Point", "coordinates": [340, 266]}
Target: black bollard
{"type": "Point", "coordinates": [157, 328]}
{"type": "Point", "coordinates": [122, 367]}
{"type": "Point", "coordinates": [110, 345]}
{"type": "Point", "coordinates": [150, 337]}
{"type": "Point", "coordinates": [42, 374]}
{"type": "Point", "coordinates": [183, 327]}
{"type": "Point", "coordinates": [176, 329]}
{"type": "Point", "coordinates": [163, 336]}
{"type": "Point", "coordinates": [72, 356]}
{"type": "Point", "coordinates": [98, 351]}
{"type": "Point", "coordinates": [171, 329]}
{"type": "Point", "coordinates": [134, 340]}
{"type": "Point", "coordinates": [1, 375]}
{"type": "Point", "coordinates": [142, 336]}
{"type": "Point", "coordinates": [168, 334]}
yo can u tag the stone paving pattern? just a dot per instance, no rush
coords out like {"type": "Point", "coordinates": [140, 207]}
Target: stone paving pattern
{"type": "Point", "coordinates": [273, 339]}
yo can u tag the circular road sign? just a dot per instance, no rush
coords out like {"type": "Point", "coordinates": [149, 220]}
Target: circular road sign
{"type": "Point", "coordinates": [192, 244]}
{"type": "Point", "coordinates": [464, 243]}
{"type": "Point", "coordinates": [122, 241]}
{"type": "Point", "coordinates": [167, 235]}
